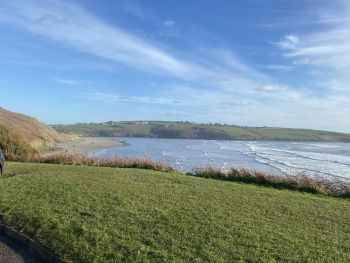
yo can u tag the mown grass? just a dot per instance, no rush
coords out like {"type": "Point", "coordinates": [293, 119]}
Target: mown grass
{"type": "Point", "coordinates": [94, 214]}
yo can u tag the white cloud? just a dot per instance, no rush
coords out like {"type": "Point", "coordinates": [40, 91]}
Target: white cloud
{"type": "Point", "coordinates": [169, 29]}
{"type": "Point", "coordinates": [289, 42]}
{"type": "Point", "coordinates": [326, 47]}
{"type": "Point", "coordinates": [67, 81]}
{"type": "Point", "coordinates": [177, 114]}
{"type": "Point", "coordinates": [280, 67]}
{"type": "Point", "coordinates": [272, 88]}
{"type": "Point", "coordinates": [240, 103]}
{"type": "Point", "coordinates": [168, 23]}
{"type": "Point", "coordinates": [72, 26]}
{"type": "Point", "coordinates": [218, 75]}
{"type": "Point", "coordinates": [111, 98]}
{"type": "Point", "coordinates": [324, 54]}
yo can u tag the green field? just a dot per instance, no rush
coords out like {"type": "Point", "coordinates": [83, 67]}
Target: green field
{"type": "Point", "coordinates": [187, 130]}
{"type": "Point", "coordinates": [90, 214]}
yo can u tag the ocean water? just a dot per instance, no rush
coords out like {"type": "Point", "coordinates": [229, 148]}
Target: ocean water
{"type": "Point", "coordinates": [331, 160]}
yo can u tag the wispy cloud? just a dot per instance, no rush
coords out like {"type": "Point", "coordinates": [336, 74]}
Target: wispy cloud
{"type": "Point", "coordinates": [329, 47]}
{"type": "Point", "coordinates": [73, 26]}
{"type": "Point", "coordinates": [272, 88]}
{"type": "Point", "coordinates": [285, 93]}
{"type": "Point", "coordinates": [240, 103]}
{"type": "Point", "coordinates": [177, 114]}
{"type": "Point", "coordinates": [324, 53]}
{"type": "Point", "coordinates": [111, 98]}
{"type": "Point", "coordinates": [168, 23]}
{"type": "Point", "coordinates": [289, 42]}
{"type": "Point", "coordinates": [169, 29]}
{"type": "Point", "coordinates": [208, 75]}
{"type": "Point", "coordinates": [67, 81]}
{"type": "Point", "coordinates": [280, 67]}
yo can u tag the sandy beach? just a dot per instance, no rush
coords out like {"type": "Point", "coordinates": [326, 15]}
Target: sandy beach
{"type": "Point", "coordinates": [84, 145]}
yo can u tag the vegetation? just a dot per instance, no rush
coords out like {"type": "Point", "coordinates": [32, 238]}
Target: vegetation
{"type": "Point", "coordinates": [115, 162]}
{"type": "Point", "coordinates": [14, 146]}
{"type": "Point", "coordinates": [187, 130]}
{"type": "Point", "coordinates": [301, 182]}
{"type": "Point", "coordinates": [32, 131]}
{"type": "Point", "coordinates": [85, 211]}
{"type": "Point", "coordinates": [94, 214]}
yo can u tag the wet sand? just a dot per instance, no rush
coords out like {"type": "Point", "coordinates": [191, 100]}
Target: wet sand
{"type": "Point", "coordinates": [84, 145]}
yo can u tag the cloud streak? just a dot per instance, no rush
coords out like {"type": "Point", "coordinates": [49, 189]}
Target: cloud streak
{"type": "Point", "coordinates": [326, 47]}
{"type": "Point", "coordinates": [67, 81]}
{"type": "Point", "coordinates": [110, 98]}
{"type": "Point", "coordinates": [72, 26]}
{"type": "Point", "coordinates": [212, 75]}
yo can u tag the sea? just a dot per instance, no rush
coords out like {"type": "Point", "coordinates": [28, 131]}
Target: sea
{"type": "Point", "coordinates": [330, 160]}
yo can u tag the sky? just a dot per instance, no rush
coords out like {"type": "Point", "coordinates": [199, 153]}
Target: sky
{"type": "Point", "coordinates": [281, 63]}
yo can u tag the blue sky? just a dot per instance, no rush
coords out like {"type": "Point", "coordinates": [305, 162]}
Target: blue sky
{"type": "Point", "coordinates": [257, 63]}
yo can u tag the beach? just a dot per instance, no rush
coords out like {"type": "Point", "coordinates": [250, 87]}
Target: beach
{"type": "Point", "coordinates": [83, 145]}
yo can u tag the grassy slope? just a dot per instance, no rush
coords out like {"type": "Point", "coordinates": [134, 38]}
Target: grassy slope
{"type": "Point", "coordinates": [200, 131]}
{"type": "Point", "coordinates": [13, 145]}
{"type": "Point", "coordinates": [89, 214]}
{"type": "Point", "coordinates": [34, 132]}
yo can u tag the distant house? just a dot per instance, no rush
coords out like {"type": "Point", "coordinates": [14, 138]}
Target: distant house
{"type": "Point", "coordinates": [109, 123]}
{"type": "Point", "coordinates": [141, 122]}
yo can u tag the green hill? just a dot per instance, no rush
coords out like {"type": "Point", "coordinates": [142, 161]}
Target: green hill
{"type": "Point", "coordinates": [186, 130]}
{"type": "Point", "coordinates": [91, 214]}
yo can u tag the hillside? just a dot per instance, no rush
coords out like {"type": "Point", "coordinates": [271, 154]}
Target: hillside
{"type": "Point", "coordinates": [34, 132]}
{"type": "Point", "coordinates": [92, 214]}
{"type": "Point", "coordinates": [187, 130]}
{"type": "Point", "coordinates": [14, 146]}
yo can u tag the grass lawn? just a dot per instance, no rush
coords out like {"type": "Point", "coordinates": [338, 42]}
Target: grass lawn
{"type": "Point", "coordinates": [89, 214]}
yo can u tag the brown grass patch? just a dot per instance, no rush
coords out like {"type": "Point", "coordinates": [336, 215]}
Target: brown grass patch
{"type": "Point", "coordinates": [117, 162]}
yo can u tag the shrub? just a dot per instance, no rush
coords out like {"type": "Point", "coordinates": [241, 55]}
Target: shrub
{"type": "Point", "coordinates": [14, 146]}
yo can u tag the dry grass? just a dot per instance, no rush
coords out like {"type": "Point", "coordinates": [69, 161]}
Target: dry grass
{"type": "Point", "coordinates": [14, 146]}
{"type": "Point", "coordinates": [301, 182]}
{"type": "Point", "coordinates": [76, 159]}
{"type": "Point", "coordinates": [31, 130]}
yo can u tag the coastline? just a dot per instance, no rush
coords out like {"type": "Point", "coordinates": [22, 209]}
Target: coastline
{"type": "Point", "coordinates": [84, 145]}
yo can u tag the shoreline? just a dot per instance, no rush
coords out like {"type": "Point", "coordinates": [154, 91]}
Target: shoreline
{"type": "Point", "coordinates": [84, 145]}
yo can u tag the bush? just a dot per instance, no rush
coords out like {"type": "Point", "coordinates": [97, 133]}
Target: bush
{"type": "Point", "coordinates": [14, 146]}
